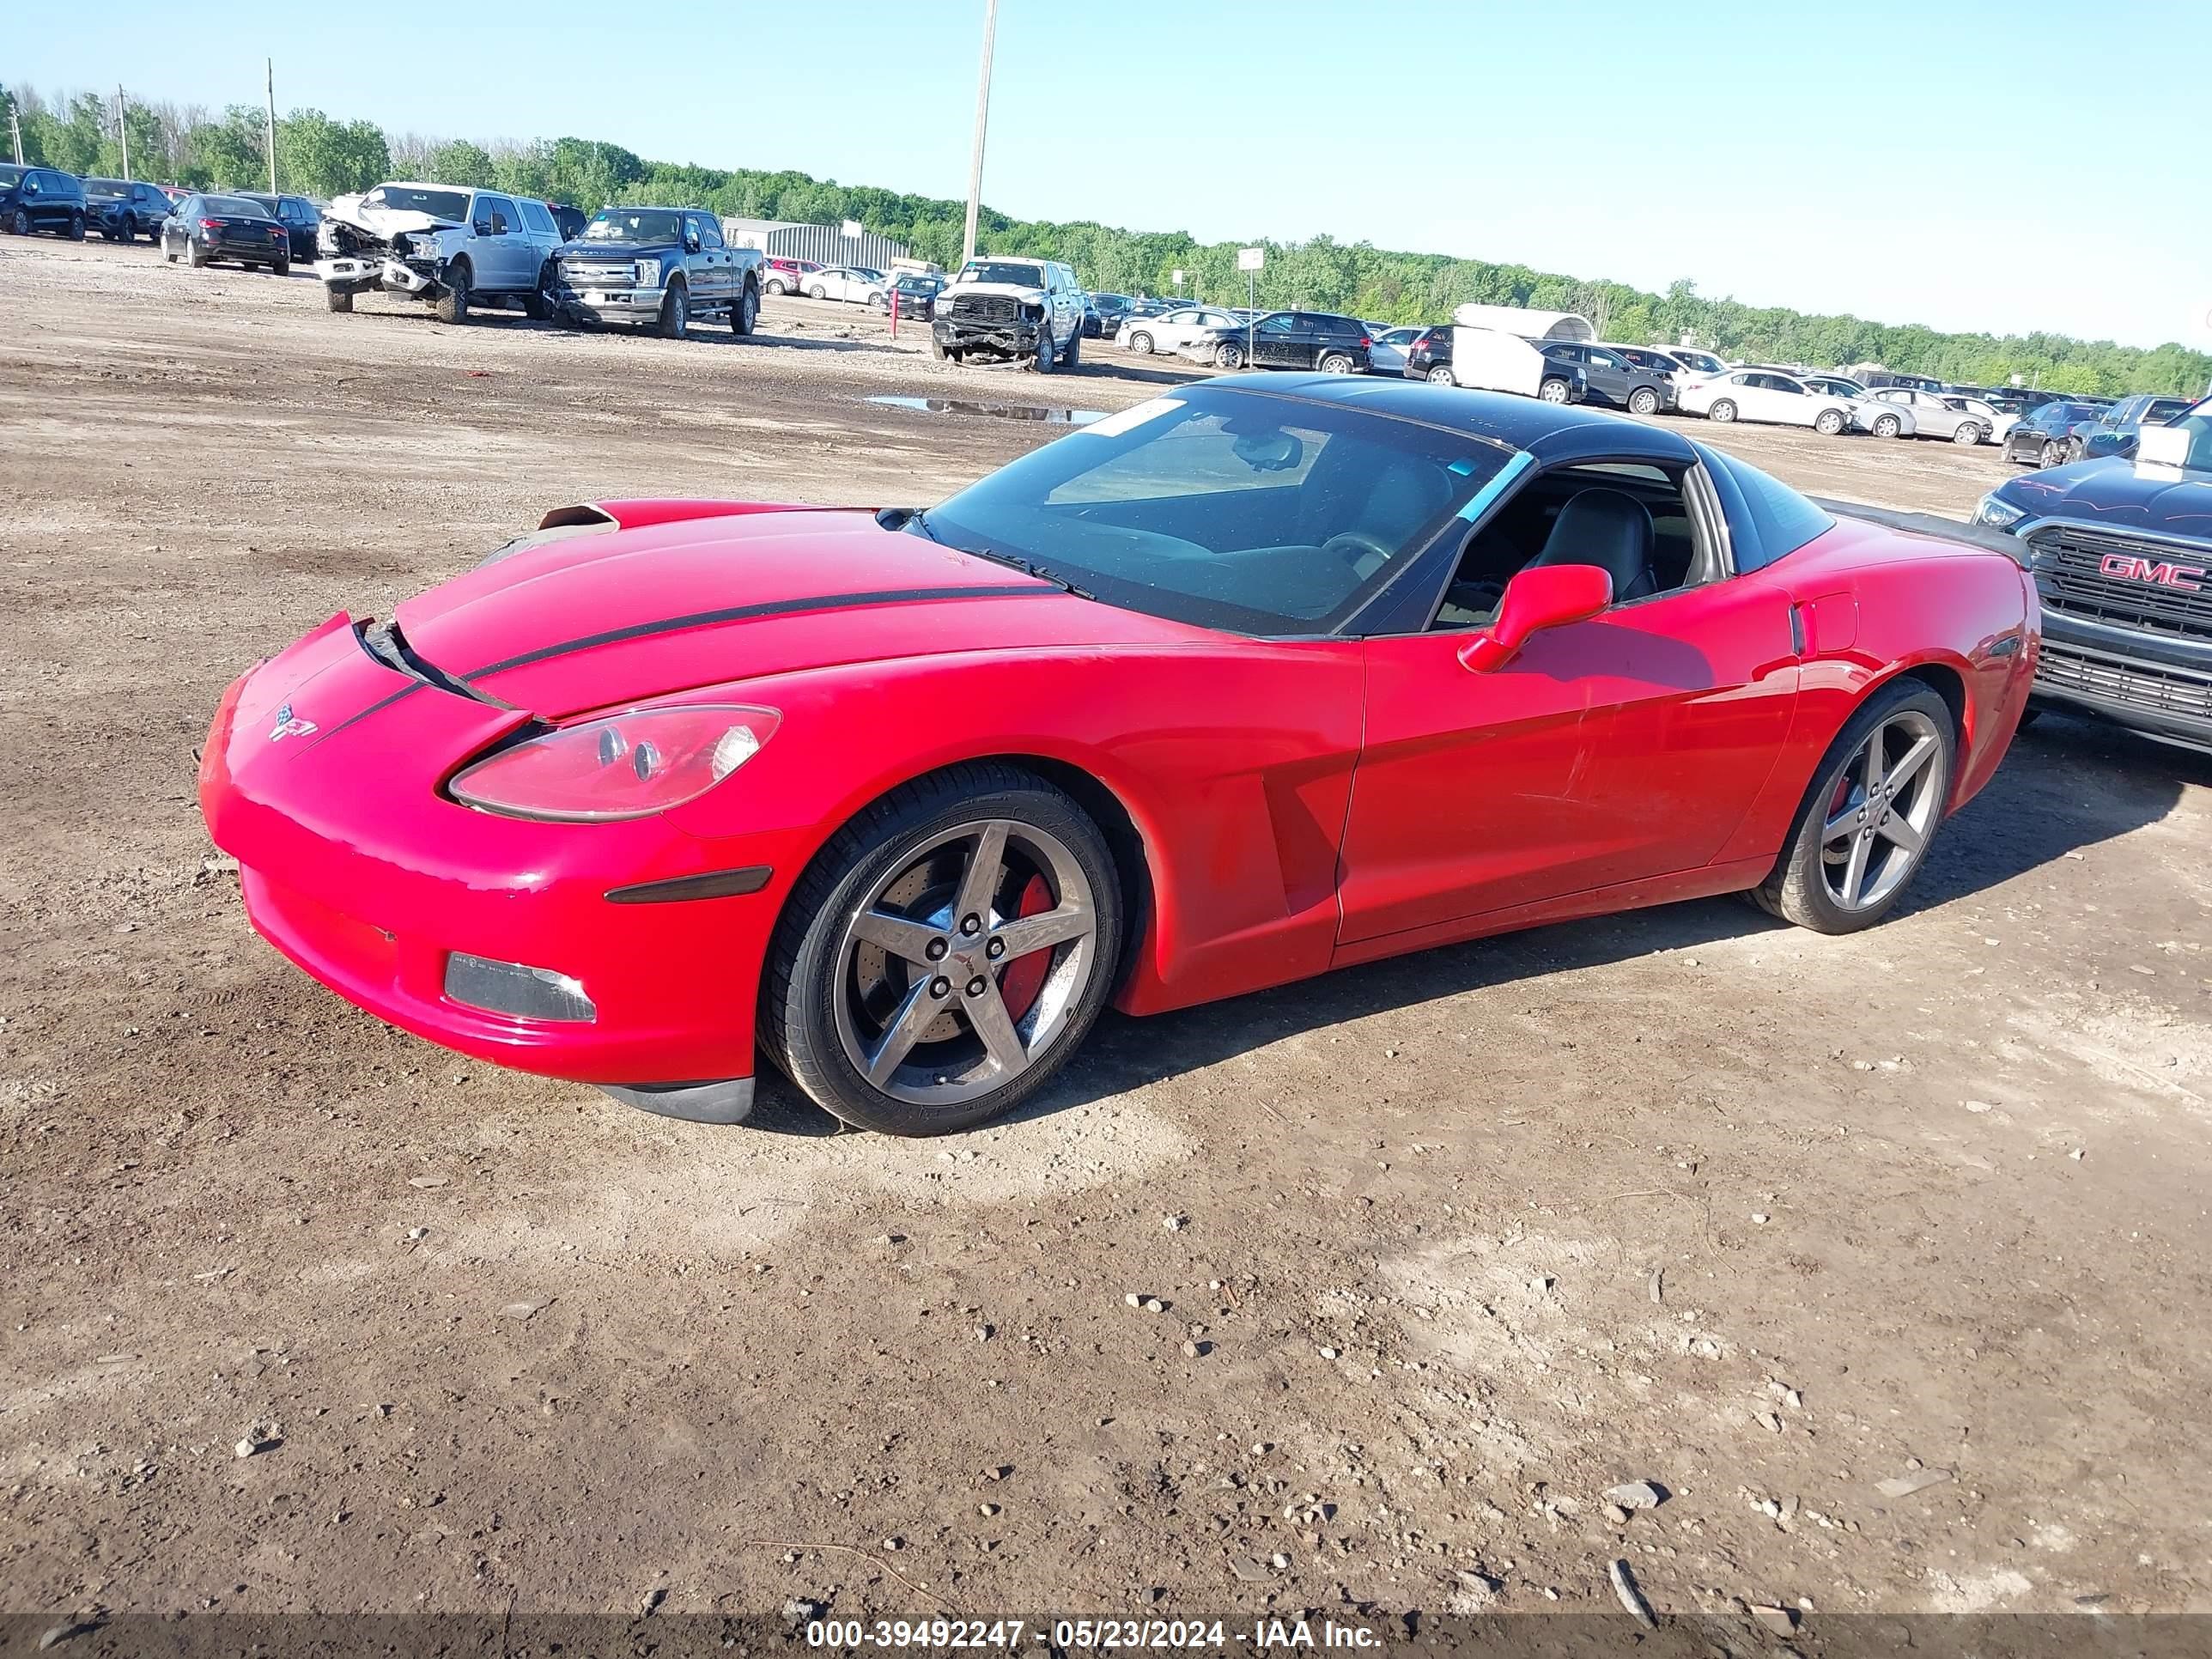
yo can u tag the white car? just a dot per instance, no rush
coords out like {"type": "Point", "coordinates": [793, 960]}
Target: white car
{"type": "Point", "coordinates": [1171, 332]}
{"type": "Point", "coordinates": [453, 246]}
{"type": "Point", "coordinates": [853, 284]}
{"type": "Point", "coordinates": [1995, 422]}
{"type": "Point", "coordinates": [1868, 414]}
{"type": "Point", "coordinates": [1697, 362]}
{"type": "Point", "coordinates": [1766, 394]}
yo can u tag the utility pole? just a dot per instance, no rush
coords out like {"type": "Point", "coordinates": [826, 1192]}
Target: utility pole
{"type": "Point", "coordinates": [16, 130]}
{"type": "Point", "coordinates": [982, 119]}
{"type": "Point", "coordinates": [271, 64]}
{"type": "Point", "coordinates": [123, 134]}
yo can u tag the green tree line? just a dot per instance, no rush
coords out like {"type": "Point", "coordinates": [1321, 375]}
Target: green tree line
{"type": "Point", "coordinates": [190, 144]}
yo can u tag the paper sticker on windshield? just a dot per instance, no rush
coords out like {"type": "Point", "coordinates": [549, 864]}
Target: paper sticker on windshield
{"type": "Point", "coordinates": [1130, 419]}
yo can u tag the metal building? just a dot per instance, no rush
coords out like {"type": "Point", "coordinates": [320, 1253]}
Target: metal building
{"type": "Point", "coordinates": [826, 244]}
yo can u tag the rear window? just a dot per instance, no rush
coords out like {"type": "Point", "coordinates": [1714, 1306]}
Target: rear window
{"type": "Point", "coordinates": [1780, 520]}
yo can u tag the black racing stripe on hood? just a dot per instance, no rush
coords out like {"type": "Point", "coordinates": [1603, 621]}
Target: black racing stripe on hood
{"type": "Point", "coordinates": [744, 612]}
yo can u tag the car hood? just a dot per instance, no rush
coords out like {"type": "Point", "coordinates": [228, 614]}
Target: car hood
{"type": "Point", "coordinates": [1003, 290]}
{"type": "Point", "coordinates": [385, 221]}
{"type": "Point", "coordinates": [617, 617]}
{"type": "Point", "coordinates": [2120, 493]}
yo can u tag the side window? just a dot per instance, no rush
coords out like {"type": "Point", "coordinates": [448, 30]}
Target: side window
{"type": "Point", "coordinates": [710, 233]}
{"type": "Point", "coordinates": [1780, 520]}
{"type": "Point", "coordinates": [538, 218]}
{"type": "Point", "coordinates": [499, 210]}
{"type": "Point", "coordinates": [1281, 323]}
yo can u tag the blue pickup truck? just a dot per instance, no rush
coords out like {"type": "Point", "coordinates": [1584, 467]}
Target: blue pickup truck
{"type": "Point", "coordinates": [658, 267]}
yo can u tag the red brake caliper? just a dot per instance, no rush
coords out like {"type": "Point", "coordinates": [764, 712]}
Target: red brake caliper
{"type": "Point", "coordinates": [1022, 978]}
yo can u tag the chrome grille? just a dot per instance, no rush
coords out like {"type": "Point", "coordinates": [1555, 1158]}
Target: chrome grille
{"type": "Point", "coordinates": [2069, 562]}
{"type": "Point", "coordinates": [599, 273]}
{"type": "Point", "coordinates": [2167, 691]}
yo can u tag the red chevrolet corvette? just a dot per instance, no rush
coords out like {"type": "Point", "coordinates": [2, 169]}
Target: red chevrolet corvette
{"type": "Point", "coordinates": [1262, 678]}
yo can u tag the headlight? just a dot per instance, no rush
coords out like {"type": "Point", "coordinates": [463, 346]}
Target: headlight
{"type": "Point", "coordinates": [1998, 514]}
{"type": "Point", "coordinates": [648, 273]}
{"type": "Point", "coordinates": [623, 766]}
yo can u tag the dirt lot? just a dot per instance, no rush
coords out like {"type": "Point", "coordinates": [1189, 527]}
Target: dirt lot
{"type": "Point", "coordinates": [1933, 1195]}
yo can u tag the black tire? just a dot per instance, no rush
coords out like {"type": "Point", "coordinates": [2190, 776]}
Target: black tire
{"type": "Point", "coordinates": [2053, 453]}
{"type": "Point", "coordinates": [1140, 343]}
{"type": "Point", "coordinates": [1553, 390]}
{"type": "Point", "coordinates": [537, 304]}
{"type": "Point", "coordinates": [745, 314]}
{"type": "Point", "coordinates": [1644, 401]}
{"type": "Point", "coordinates": [336, 301]}
{"type": "Point", "coordinates": [194, 255]}
{"type": "Point", "coordinates": [1722, 409]}
{"type": "Point", "coordinates": [936, 349]}
{"type": "Point", "coordinates": [798, 1019]}
{"type": "Point", "coordinates": [1797, 891]}
{"type": "Point", "coordinates": [1072, 357]}
{"type": "Point", "coordinates": [1831, 422]}
{"type": "Point", "coordinates": [1046, 358]}
{"type": "Point", "coordinates": [1229, 355]}
{"type": "Point", "coordinates": [76, 227]}
{"type": "Point", "coordinates": [675, 313]}
{"type": "Point", "coordinates": [281, 267]}
{"type": "Point", "coordinates": [451, 305]}
{"type": "Point", "coordinates": [129, 228]}
{"type": "Point", "coordinates": [1887, 426]}
{"type": "Point", "coordinates": [20, 225]}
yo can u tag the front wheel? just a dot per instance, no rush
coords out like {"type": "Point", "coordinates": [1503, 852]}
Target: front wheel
{"type": "Point", "coordinates": [1723, 410]}
{"type": "Point", "coordinates": [1229, 355]}
{"type": "Point", "coordinates": [1046, 356]}
{"type": "Point", "coordinates": [774, 286]}
{"type": "Point", "coordinates": [1141, 343]}
{"type": "Point", "coordinates": [675, 313]}
{"type": "Point", "coordinates": [336, 301]}
{"type": "Point", "coordinates": [817, 292]}
{"type": "Point", "coordinates": [451, 305]}
{"type": "Point", "coordinates": [1553, 391]}
{"type": "Point", "coordinates": [537, 304]}
{"type": "Point", "coordinates": [1864, 827]}
{"type": "Point", "coordinates": [944, 954]}
{"type": "Point", "coordinates": [1828, 423]}
{"type": "Point", "coordinates": [1887, 426]}
{"type": "Point", "coordinates": [1644, 401]}
{"type": "Point", "coordinates": [1966, 434]}
{"type": "Point", "coordinates": [20, 222]}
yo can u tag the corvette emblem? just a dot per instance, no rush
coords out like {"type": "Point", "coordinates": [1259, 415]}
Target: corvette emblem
{"type": "Point", "coordinates": [288, 726]}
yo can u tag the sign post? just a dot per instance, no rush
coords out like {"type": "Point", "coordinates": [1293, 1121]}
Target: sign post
{"type": "Point", "coordinates": [1252, 261]}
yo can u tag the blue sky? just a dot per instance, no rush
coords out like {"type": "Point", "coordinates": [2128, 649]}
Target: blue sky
{"type": "Point", "coordinates": [1971, 165]}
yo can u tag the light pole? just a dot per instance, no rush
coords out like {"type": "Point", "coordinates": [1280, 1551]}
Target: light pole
{"type": "Point", "coordinates": [982, 119]}
{"type": "Point", "coordinates": [270, 66]}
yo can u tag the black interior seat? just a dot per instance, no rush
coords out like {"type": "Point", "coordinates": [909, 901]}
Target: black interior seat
{"type": "Point", "coordinates": [1611, 530]}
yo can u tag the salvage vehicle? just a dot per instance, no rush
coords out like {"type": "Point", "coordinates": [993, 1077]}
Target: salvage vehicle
{"type": "Point", "coordinates": [1266, 677]}
{"type": "Point", "coordinates": [450, 246]}
{"type": "Point", "coordinates": [42, 198]}
{"type": "Point", "coordinates": [2044, 436]}
{"type": "Point", "coordinates": [1882, 420]}
{"type": "Point", "coordinates": [1288, 339]}
{"type": "Point", "coordinates": [2114, 431]}
{"type": "Point", "coordinates": [658, 267]}
{"type": "Point", "coordinates": [1171, 330]}
{"type": "Point", "coordinates": [2120, 548]}
{"type": "Point", "coordinates": [1767, 394]}
{"type": "Point", "coordinates": [1611, 379]}
{"type": "Point", "coordinates": [1935, 416]}
{"type": "Point", "coordinates": [206, 228]}
{"type": "Point", "coordinates": [996, 309]}
{"type": "Point", "coordinates": [1429, 357]}
{"type": "Point", "coordinates": [1491, 360]}
{"type": "Point", "coordinates": [788, 275]}
{"type": "Point", "coordinates": [120, 209]}
{"type": "Point", "coordinates": [301, 219]}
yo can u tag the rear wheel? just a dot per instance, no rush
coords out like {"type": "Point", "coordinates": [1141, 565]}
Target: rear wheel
{"type": "Point", "coordinates": [1141, 343]}
{"type": "Point", "coordinates": [1828, 423]}
{"type": "Point", "coordinates": [1887, 426]}
{"type": "Point", "coordinates": [775, 286]}
{"type": "Point", "coordinates": [1864, 827]}
{"type": "Point", "coordinates": [746, 311]}
{"type": "Point", "coordinates": [1723, 410]}
{"type": "Point", "coordinates": [76, 226]}
{"type": "Point", "coordinates": [944, 953]}
{"type": "Point", "coordinates": [281, 267]}
{"type": "Point", "coordinates": [195, 256]}
{"type": "Point", "coordinates": [1441, 375]}
{"type": "Point", "coordinates": [1336, 362]}
{"type": "Point", "coordinates": [1644, 401]}
{"type": "Point", "coordinates": [1554, 390]}
{"type": "Point", "coordinates": [2054, 452]}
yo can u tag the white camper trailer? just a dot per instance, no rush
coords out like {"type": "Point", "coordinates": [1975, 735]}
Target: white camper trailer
{"type": "Point", "coordinates": [1494, 349]}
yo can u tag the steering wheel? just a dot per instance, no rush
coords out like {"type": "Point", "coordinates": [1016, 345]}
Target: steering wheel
{"type": "Point", "coordinates": [1365, 553]}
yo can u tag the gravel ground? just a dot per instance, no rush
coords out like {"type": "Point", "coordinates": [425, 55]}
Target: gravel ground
{"type": "Point", "coordinates": [1446, 1247]}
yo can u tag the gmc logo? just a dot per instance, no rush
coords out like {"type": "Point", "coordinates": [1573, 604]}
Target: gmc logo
{"type": "Point", "coordinates": [2130, 568]}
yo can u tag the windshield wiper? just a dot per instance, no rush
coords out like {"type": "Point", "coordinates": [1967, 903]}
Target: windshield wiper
{"type": "Point", "coordinates": [917, 520]}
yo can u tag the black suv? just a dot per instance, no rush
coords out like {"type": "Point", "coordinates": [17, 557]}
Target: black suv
{"type": "Point", "coordinates": [1429, 357]}
{"type": "Point", "coordinates": [42, 198]}
{"type": "Point", "coordinates": [1291, 339]}
{"type": "Point", "coordinates": [2123, 562]}
{"type": "Point", "coordinates": [302, 222]}
{"type": "Point", "coordinates": [122, 209]}
{"type": "Point", "coordinates": [1613, 380]}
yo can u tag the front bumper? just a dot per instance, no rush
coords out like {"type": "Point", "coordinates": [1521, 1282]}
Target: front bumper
{"type": "Point", "coordinates": [351, 275]}
{"type": "Point", "coordinates": [355, 867]}
{"type": "Point", "coordinates": [2158, 686]}
{"type": "Point", "coordinates": [621, 305]}
{"type": "Point", "coordinates": [1014, 339]}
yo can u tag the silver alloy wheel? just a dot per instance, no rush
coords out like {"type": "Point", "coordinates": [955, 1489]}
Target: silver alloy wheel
{"type": "Point", "coordinates": [1722, 411]}
{"type": "Point", "coordinates": [1141, 343]}
{"type": "Point", "coordinates": [1887, 426]}
{"type": "Point", "coordinates": [1335, 362]}
{"type": "Point", "coordinates": [1828, 423]}
{"type": "Point", "coordinates": [1644, 401]}
{"type": "Point", "coordinates": [1441, 376]}
{"type": "Point", "coordinates": [1966, 432]}
{"type": "Point", "coordinates": [1887, 799]}
{"type": "Point", "coordinates": [920, 1002]}
{"type": "Point", "coordinates": [2054, 454]}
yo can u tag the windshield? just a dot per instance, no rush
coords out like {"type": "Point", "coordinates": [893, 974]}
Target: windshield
{"type": "Point", "coordinates": [634, 225]}
{"type": "Point", "coordinates": [1018, 273]}
{"type": "Point", "coordinates": [236, 206]}
{"type": "Point", "coordinates": [415, 198]}
{"type": "Point", "coordinates": [106, 189]}
{"type": "Point", "coordinates": [1228, 509]}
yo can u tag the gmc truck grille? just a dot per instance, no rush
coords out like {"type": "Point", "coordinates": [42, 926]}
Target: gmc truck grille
{"type": "Point", "coordinates": [599, 273]}
{"type": "Point", "coordinates": [993, 308]}
{"type": "Point", "coordinates": [2154, 686]}
{"type": "Point", "coordinates": [2128, 581]}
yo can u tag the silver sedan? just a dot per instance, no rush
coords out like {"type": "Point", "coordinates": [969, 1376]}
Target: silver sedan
{"type": "Point", "coordinates": [1387, 355]}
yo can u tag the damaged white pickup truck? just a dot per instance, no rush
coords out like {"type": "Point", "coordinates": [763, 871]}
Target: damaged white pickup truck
{"type": "Point", "coordinates": [449, 245]}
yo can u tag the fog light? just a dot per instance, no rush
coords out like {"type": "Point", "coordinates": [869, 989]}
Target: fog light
{"type": "Point", "coordinates": [510, 987]}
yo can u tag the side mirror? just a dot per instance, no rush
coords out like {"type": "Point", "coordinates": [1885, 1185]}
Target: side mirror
{"type": "Point", "coordinates": [1545, 596]}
